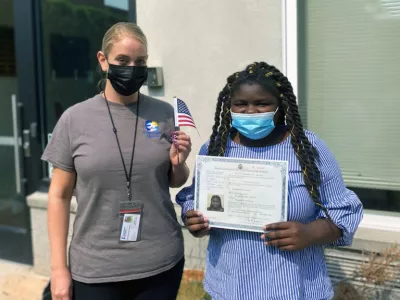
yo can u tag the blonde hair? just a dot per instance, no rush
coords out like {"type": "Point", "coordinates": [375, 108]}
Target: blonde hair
{"type": "Point", "coordinates": [113, 35]}
{"type": "Point", "coordinates": [119, 31]}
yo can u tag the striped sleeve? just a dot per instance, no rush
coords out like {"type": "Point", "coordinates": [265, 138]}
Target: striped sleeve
{"type": "Point", "coordinates": [343, 205]}
{"type": "Point", "coordinates": [185, 198]}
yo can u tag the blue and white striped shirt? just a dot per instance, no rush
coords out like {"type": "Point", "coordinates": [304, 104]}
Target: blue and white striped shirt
{"type": "Point", "coordinates": [239, 265]}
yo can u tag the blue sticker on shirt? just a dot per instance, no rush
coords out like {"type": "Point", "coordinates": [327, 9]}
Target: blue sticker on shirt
{"type": "Point", "coordinates": [152, 130]}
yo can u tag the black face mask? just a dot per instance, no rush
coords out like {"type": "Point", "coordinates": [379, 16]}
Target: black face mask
{"type": "Point", "coordinates": [126, 80]}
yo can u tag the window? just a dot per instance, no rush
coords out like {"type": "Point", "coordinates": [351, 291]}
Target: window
{"type": "Point", "coordinates": [349, 90]}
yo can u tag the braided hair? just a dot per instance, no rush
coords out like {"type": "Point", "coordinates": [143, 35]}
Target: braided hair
{"type": "Point", "coordinates": [273, 81]}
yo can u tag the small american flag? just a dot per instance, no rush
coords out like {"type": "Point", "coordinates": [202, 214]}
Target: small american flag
{"type": "Point", "coordinates": [182, 114]}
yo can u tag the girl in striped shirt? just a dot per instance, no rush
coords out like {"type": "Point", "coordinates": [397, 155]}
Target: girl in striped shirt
{"type": "Point", "coordinates": [257, 117]}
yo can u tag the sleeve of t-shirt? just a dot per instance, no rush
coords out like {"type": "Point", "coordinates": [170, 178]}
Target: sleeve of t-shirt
{"type": "Point", "coordinates": [58, 151]}
{"type": "Point", "coordinates": [185, 198]}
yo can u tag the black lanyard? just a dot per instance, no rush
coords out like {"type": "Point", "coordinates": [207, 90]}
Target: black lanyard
{"type": "Point", "coordinates": [127, 175]}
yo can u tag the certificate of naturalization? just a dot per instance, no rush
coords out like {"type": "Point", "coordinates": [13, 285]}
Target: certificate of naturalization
{"type": "Point", "coordinates": [241, 194]}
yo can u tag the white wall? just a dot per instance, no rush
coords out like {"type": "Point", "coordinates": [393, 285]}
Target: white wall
{"type": "Point", "coordinates": [200, 43]}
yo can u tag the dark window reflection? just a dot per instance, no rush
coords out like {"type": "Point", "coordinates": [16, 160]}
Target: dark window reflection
{"type": "Point", "coordinates": [70, 56]}
{"type": "Point", "coordinates": [384, 200]}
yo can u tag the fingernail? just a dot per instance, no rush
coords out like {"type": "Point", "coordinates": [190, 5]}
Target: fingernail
{"type": "Point", "coordinates": [205, 220]}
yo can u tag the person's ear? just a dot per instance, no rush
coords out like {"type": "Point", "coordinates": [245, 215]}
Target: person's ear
{"type": "Point", "coordinates": [102, 61]}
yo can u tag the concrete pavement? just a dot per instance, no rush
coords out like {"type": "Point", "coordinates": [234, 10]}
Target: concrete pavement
{"type": "Point", "coordinates": [19, 282]}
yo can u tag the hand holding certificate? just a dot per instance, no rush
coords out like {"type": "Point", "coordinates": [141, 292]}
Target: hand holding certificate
{"type": "Point", "coordinates": [241, 194]}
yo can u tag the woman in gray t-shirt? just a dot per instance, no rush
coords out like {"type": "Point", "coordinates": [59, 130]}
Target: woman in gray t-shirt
{"type": "Point", "coordinates": [120, 152]}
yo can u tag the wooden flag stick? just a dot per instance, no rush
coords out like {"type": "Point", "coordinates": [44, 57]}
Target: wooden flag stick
{"type": "Point", "coordinates": [176, 125]}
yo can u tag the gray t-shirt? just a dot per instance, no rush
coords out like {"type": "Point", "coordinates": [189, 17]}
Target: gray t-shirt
{"type": "Point", "coordinates": [83, 141]}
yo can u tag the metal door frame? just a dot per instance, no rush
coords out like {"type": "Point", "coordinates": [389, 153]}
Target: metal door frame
{"type": "Point", "coordinates": [26, 138]}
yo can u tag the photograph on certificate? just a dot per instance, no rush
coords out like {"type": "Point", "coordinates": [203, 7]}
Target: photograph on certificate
{"type": "Point", "coordinates": [241, 194]}
{"type": "Point", "coordinates": [215, 203]}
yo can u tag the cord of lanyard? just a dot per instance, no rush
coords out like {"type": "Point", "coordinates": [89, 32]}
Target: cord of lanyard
{"type": "Point", "coordinates": [127, 175]}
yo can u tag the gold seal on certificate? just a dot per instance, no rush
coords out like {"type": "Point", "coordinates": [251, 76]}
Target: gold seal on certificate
{"type": "Point", "coordinates": [241, 194]}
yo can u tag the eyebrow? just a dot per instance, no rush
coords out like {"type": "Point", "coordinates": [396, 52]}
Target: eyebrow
{"type": "Point", "coordinates": [128, 57]}
{"type": "Point", "coordinates": [256, 100]}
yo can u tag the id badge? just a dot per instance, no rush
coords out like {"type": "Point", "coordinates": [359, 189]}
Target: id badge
{"type": "Point", "coordinates": [130, 219]}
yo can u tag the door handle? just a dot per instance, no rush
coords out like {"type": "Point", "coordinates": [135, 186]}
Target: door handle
{"type": "Point", "coordinates": [26, 142]}
{"type": "Point", "coordinates": [33, 129]}
{"type": "Point", "coordinates": [17, 144]}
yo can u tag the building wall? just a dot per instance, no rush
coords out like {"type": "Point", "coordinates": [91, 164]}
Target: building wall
{"type": "Point", "coordinates": [200, 43]}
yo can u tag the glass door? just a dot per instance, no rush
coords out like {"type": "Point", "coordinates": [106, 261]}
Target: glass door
{"type": "Point", "coordinates": [11, 193]}
{"type": "Point", "coordinates": [14, 217]}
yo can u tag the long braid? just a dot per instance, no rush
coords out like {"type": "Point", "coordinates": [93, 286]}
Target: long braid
{"type": "Point", "coordinates": [305, 152]}
{"type": "Point", "coordinates": [263, 74]}
{"type": "Point", "coordinates": [225, 129]}
{"type": "Point", "coordinates": [222, 121]}
{"type": "Point", "coordinates": [217, 122]}
{"type": "Point", "coordinates": [219, 146]}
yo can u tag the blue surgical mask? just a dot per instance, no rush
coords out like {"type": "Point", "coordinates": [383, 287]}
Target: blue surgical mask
{"type": "Point", "coordinates": [254, 126]}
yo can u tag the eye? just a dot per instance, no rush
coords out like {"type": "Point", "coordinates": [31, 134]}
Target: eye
{"type": "Point", "coordinates": [240, 103]}
{"type": "Point", "coordinates": [265, 103]}
{"type": "Point", "coordinates": [122, 61]}
{"type": "Point", "coordinates": [140, 62]}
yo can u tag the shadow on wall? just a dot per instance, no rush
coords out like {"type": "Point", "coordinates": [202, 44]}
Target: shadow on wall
{"type": "Point", "coordinates": [156, 92]}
